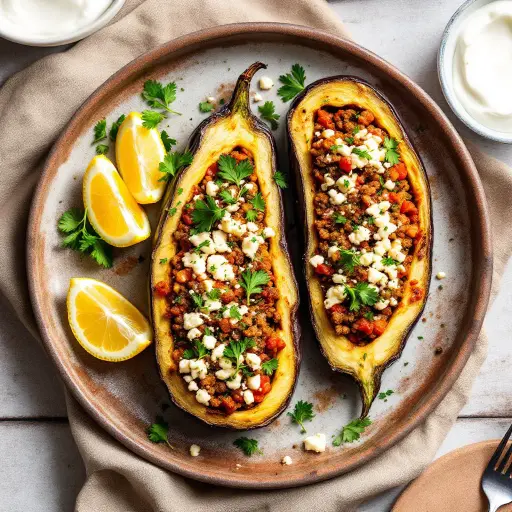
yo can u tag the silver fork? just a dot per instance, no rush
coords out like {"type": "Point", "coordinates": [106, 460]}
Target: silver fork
{"type": "Point", "coordinates": [496, 481]}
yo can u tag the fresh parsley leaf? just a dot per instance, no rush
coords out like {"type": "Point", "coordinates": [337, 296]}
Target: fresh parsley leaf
{"type": "Point", "coordinates": [232, 171]}
{"type": "Point", "coordinates": [173, 162]}
{"type": "Point", "coordinates": [101, 149]}
{"type": "Point", "coordinates": [293, 83]}
{"type": "Point", "coordinates": [206, 213]}
{"type": "Point", "coordinates": [281, 179]}
{"type": "Point", "coordinates": [349, 260]}
{"type": "Point", "coordinates": [227, 197]}
{"type": "Point", "coordinates": [385, 394]}
{"type": "Point", "coordinates": [151, 119]}
{"type": "Point", "coordinates": [302, 412]}
{"type": "Point", "coordinates": [115, 127]}
{"type": "Point", "coordinates": [179, 191]}
{"type": "Point", "coordinates": [339, 219]}
{"type": "Point", "coordinates": [270, 366]}
{"type": "Point", "coordinates": [370, 220]}
{"type": "Point", "coordinates": [81, 237]}
{"type": "Point", "coordinates": [200, 349]}
{"type": "Point", "coordinates": [236, 348]}
{"type": "Point", "coordinates": [159, 96]}
{"type": "Point", "coordinates": [392, 156]}
{"type": "Point", "coordinates": [362, 153]}
{"type": "Point", "coordinates": [188, 354]}
{"type": "Point", "coordinates": [352, 431]}
{"type": "Point", "coordinates": [258, 202]}
{"type": "Point", "coordinates": [213, 294]}
{"type": "Point", "coordinates": [100, 131]}
{"type": "Point", "coordinates": [356, 130]}
{"type": "Point", "coordinates": [251, 215]}
{"type": "Point", "coordinates": [369, 316]}
{"type": "Point", "coordinates": [167, 141]}
{"type": "Point", "coordinates": [205, 107]}
{"type": "Point", "coordinates": [158, 432]}
{"type": "Point", "coordinates": [367, 294]}
{"type": "Point", "coordinates": [163, 261]}
{"type": "Point", "coordinates": [349, 140]}
{"type": "Point", "coordinates": [197, 300]}
{"type": "Point", "coordinates": [267, 112]}
{"type": "Point", "coordinates": [248, 446]}
{"type": "Point", "coordinates": [389, 261]}
{"type": "Point", "coordinates": [234, 312]}
{"type": "Point", "coordinates": [252, 282]}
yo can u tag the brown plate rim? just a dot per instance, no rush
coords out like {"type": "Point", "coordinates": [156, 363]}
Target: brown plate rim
{"type": "Point", "coordinates": [481, 246]}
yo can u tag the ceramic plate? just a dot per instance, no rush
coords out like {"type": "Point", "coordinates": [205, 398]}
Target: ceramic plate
{"type": "Point", "coordinates": [126, 397]}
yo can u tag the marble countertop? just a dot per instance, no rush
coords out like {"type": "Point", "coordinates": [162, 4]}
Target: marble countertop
{"type": "Point", "coordinates": [37, 446]}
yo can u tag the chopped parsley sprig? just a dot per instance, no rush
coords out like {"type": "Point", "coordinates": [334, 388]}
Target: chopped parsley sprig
{"type": "Point", "coordinates": [268, 113]}
{"type": "Point", "coordinates": [247, 445]}
{"type": "Point", "coordinates": [270, 366]}
{"type": "Point", "coordinates": [160, 96]}
{"type": "Point", "coordinates": [233, 171]}
{"type": "Point", "coordinates": [236, 349]}
{"type": "Point", "coordinates": [100, 131]}
{"type": "Point", "coordinates": [302, 412]}
{"type": "Point", "coordinates": [81, 237]}
{"type": "Point", "coordinates": [281, 179]}
{"type": "Point", "coordinates": [158, 432]}
{"type": "Point", "coordinates": [352, 431]}
{"type": "Point", "coordinates": [392, 156]}
{"type": "Point", "coordinates": [151, 119]}
{"type": "Point", "coordinates": [363, 153]}
{"type": "Point", "coordinates": [362, 293]}
{"type": "Point", "coordinates": [253, 281]}
{"type": "Point", "coordinates": [167, 141]}
{"type": "Point", "coordinates": [205, 107]}
{"type": "Point", "coordinates": [258, 202]}
{"type": "Point", "coordinates": [112, 134]}
{"type": "Point", "coordinates": [349, 260]}
{"type": "Point", "coordinates": [173, 162]}
{"type": "Point", "coordinates": [293, 83]}
{"type": "Point", "coordinates": [205, 214]}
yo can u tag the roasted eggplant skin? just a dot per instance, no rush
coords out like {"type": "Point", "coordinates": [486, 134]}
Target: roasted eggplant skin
{"type": "Point", "coordinates": [364, 363]}
{"type": "Point", "coordinates": [233, 125]}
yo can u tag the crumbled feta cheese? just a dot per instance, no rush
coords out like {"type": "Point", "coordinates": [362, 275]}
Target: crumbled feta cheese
{"type": "Point", "coordinates": [232, 208]}
{"type": "Point", "coordinates": [206, 240]}
{"type": "Point", "coordinates": [391, 271]}
{"type": "Point", "coordinates": [382, 246]}
{"type": "Point", "coordinates": [334, 295]}
{"type": "Point", "coordinates": [370, 143]}
{"type": "Point", "coordinates": [342, 149]}
{"type": "Point", "coordinates": [328, 182]}
{"type": "Point", "coordinates": [219, 268]}
{"type": "Point", "coordinates": [212, 188]}
{"type": "Point", "coordinates": [393, 284]}
{"type": "Point", "coordinates": [266, 83]}
{"type": "Point", "coordinates": [197, 262]}
{"type": "Point", "coordinates": [339, 279]}
{"type": "Point", "coordinates": [236, 382]}
{"type": "Point", "coordinates": [257, 97]}
{"type": "Point", "coordinates": [382, 304]}
{"type": "Point", "coordinates": [194, 450]}
{"type": "Point", "coordinates": [193, 386]}
{"type": "Point", "coordinates": [382, 220]}
{"type": "Point", "coordinates": [220, 241]}
{"type": "Point", "coordinates": [185, 366]}
{"type": "Point", "coordinates": [193, 333]}
{"type": "Point", "coordinates": [286, 460]}
{"type": "Point", "coordinates": [375, 276]}
{"type": "Point", "coordinates": [361, 235]}
{"type": "Point", "coordinates": [336, 198]}
{"type": "Point", "coordinates": [361, 134]}
{"type": "Point", "coordinates": [209, 341]}
{"type": "Point", "coordinates": [198, 369]}
{"type": "Point", "coordinates": [253, 360]}
{"type": "Point", "coordinates": [191, 320]}
{"type": "Point", "coordinates": [224, 374]}
{"type": "Point", "coordinates": [250, 245]}
{"type": "Point", "coordinates": [232, 226]}
{"type": "Point", "coordinates": [315, 443]}
{"type": "Point", "coordinates": [384, 206]}
{"type": "Point", "coordinates": [212, 305]}
{"type": "Point", "coordinates": [347, 183]}
{"type": "Point", "coordinates": [328, 133]}
{"type": "Point", "coordinates": [254, 382]}
{"type": "Point", "coordinates": [440, 275]}
{"type": "Point", "coordinates": [366, 259]}
{"type": "Point", "coordinates": [248, 397]}
{"type": "Point", "coordinates": [208, 284]}
{"type": "Point", "coordinates": [252, 226]}
{"type": "Point", "coordinates": [393, 301]}
{"type": "Point", "coordinates": [203, 397]}
{"type": "Point", "coordinates": [377, 264]}
{"type": "Point", "coordinates": [332, 251]}
{"type": "Point", "coordinates": [225, 363]}
{"type": "Point", "coordinates": [268, 232]}
{"type": "Point", "coordinates": [390, 185]}
{"type": "Point", "coordinates": [218, 351]}
{"type": "Point", "coordinates": [187, 378]}
{"type": "Point", "coordinates": [316, 260]}
{"type": "Point", "coordinates": [385, 231]}
{"type": "Point", "coordinates": [358, 162]}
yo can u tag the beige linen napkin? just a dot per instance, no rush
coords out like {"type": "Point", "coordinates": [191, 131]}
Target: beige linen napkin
{"type": "Point", "coordinates": [34, 107]}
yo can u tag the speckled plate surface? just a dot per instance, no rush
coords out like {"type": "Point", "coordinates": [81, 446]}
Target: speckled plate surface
{"type": "Point", "coordinates": [126, 397]}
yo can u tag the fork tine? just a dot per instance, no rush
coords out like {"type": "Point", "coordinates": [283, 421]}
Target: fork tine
{"type": "Point", "coordinates": [496, 456]}
{"type": "Point", "coordinates": [505, 460]}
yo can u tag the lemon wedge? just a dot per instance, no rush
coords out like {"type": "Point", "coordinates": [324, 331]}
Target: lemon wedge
{"type": "Point", "coordinates": [139, 151]}
{"type": "Point", "coordinates": [111, 209]}
{"type": "Point", "coordinates": [106, 324]}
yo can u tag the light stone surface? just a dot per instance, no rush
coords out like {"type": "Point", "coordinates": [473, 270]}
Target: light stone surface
{"type": "Point", "coordinates": [36, 443]}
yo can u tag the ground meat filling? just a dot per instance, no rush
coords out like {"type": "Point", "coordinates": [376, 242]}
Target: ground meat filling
{"type": "Point", "coordinates": [366, 220]}
{"type": "Point", "coordinates": [222, 295]}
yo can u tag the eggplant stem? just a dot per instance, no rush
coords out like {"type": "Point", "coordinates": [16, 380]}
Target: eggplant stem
{"type": "Point", "coordinates": [240, 99]}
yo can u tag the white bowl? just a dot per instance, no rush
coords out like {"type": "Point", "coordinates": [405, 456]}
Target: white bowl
{"type": "Point", "coordinates": [445, 71]}
{"type": "Point", "coordinates": [69, 37]}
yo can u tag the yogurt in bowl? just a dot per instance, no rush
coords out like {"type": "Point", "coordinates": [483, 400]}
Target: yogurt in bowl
{"type": "Point", "coordinates": [54, 22]}
{"type": "Point", "coordinates": [475, 67]}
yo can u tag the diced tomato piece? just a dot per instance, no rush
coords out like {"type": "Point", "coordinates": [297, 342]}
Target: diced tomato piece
{"type": "Point", "coordinates": [228, 404]}
{"type": "Point", "coordinates": [187, 219]}
{"type": "Point", "coordinates": [325, 119]}
{"type": "Point", "coordinates": [265, 385]}
{"type": "Point", "coordinates": [379, 326]}
{"type": "Point", "coordinates": [184, 276]}
{"type": "Point", "coordinates": [345, 164]}
{"type": "Point", "coordinates": [408, 208]}
{"type": "Point", "coordinates": [393, 174]}
{"type": "Point", "coordinates": [412, 230]}
{"type": "Point", "coordinates": [258, 397]}
{"type": "Point", "coordinates": [162, 288]}
{"type": "Point", "coordinates": [364, 326]}
{"type": "Point", "coordinates": [401, 170]}
{"type": "Point", "coordinates": [394, 197]}
{"type": "Point", "coordinates": [337, 308]}
{"type": "Point", "coordinates": [212, 170]}
{"type": "Point", "coordinates": [324, 270]}
{"type": "Point", "coordinates": [280, 344]}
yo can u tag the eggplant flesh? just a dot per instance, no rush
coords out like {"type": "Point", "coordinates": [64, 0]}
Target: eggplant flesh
{"type": "Point", "coordinates": [231, 127]}
{"type": "Point", "coordinates": [364, 363]}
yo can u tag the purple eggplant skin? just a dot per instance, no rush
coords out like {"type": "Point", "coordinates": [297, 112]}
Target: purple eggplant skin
{"type": "Point", "coordinates": [289, 358]}
{"type": "Point", "coordinates": [365, 94]}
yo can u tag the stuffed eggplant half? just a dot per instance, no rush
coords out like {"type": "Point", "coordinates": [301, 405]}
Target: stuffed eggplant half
{"type": "Point", "coordinates": [366, 203]}
{"type": "Point", "coordinates": [224, 297]}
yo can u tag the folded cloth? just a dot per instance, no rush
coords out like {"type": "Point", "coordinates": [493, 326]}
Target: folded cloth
{"type": "Point", "coordinates": [35, 105]}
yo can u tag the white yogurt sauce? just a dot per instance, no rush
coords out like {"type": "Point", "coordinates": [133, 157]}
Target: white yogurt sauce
{"type": "Point", "coordinates": [482, 70]}
{"type": "Point", "coordinates": [48, 18]}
